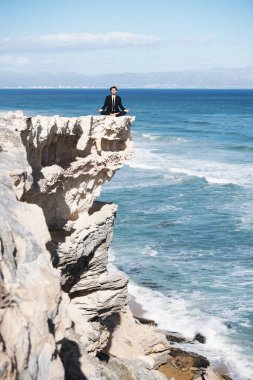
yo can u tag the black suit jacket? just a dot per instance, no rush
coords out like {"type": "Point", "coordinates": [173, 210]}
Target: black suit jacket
{"type": "Point", "coordinates": [108, 104]}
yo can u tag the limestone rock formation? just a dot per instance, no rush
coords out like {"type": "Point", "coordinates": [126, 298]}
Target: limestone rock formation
{"type": "Point", "coordinates": [63, 308]}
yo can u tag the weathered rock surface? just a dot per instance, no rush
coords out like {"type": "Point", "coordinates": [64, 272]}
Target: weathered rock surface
{"type": "Point", "coordinates": [56, 289]}
{"type": "Point", "coordinates": [32, 317]}
{"type": "Point", "coordinates": [62, 307]}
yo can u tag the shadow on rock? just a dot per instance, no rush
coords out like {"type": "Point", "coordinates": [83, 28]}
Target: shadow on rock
{"type": "Point", "coordinates": [70, 354]}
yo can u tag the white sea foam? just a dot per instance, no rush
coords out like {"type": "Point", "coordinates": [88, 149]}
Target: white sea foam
{"type": "Point", "coordinates": [246, 214]}
{"type": "Point", "coordinates": [164, 208]}
{"type": "Point", "coordinates": [152, 137]}
{"type": "Point", "coordinates": [213, 171]}
{"type": "Point", "coordinates": [111, 255]}
{"type": "Point", "coordinates": [149, 251]}
{"type": "Point", "coordinates": [241, 272]}
{"type": "Point", "coordinates": [242, 211]}
{"type": "Point", "coordinates": [179, 139]}
{"type": "Point", "coordinates": [180, 315]}
{"type": "Point", "coordinates": [109, 186]}
{"type": "Point", "coordinates": [167, 208]}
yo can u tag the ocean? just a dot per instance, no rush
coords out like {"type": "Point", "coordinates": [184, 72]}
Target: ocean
{"type": "Point", "coordinates": [184, 226]}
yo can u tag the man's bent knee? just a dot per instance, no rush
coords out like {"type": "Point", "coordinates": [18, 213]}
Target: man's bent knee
{"type": "Point", "coordinates": [122, 113]}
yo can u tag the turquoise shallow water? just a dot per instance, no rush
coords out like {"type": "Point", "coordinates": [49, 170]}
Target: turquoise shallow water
{"type": "Point", "coordinates": [184, 227]}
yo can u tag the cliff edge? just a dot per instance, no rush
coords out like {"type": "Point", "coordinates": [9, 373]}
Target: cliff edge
{"type": "Point", "coordinates": [64, 311]}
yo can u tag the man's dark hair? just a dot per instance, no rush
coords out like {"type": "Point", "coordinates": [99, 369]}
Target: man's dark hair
{"type": "Point", "coordinates": [113, 87]}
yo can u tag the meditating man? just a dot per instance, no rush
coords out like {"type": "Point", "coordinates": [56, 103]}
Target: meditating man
{"type": "Point", "coordinates": [112, 104]}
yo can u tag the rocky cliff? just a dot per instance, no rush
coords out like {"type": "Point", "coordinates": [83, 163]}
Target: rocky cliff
{"type": "Point", "coordinates": [64, 311]}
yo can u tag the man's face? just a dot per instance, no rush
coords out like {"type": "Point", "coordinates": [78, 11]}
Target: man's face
{"type": "Point", "coordinates": [113, 91]}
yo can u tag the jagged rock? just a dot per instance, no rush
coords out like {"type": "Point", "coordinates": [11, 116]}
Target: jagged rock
{"type": "Point", "coordinates": [131, 339]}
{"type": "Point", "coordinates": [145, 321]}
{"type": "Point", "coordinates": [226, 377]}
{"type": "Point", "coordinates": [200, 338]}
{"type": "Point", "coordinates": [83, 257]}
{"type": "Point", "coordinates": [210, 374]}
{"type": "Point", "coordinates": [71, 158]}
{"type": "Point", "coordinates": [175, 337]}
{"type": "Point", "coordinates": [118, 369]}
{"type": "Point", "coordinates": [183, 360]}
{"type": "Point", "coordinates": [187, 366]}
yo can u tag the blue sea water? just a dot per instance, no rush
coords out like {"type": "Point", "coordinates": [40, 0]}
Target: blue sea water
{"type": "Point", "coordinates": [184, 227]}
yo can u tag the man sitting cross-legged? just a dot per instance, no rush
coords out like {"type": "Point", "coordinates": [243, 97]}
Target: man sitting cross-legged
{"type": "Point", "coordinates": [113, 105]}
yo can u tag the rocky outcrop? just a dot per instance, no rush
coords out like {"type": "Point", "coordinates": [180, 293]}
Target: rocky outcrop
{"type": "Point", "coordinates": [64, 310]}
{"type": "Point", "coordinates": [70, 160]}
{"type": "Point", "coordinates": [56, 290]}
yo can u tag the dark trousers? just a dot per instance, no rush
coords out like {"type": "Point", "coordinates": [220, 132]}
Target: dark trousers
{"type": "Point", "coordinates": [120, 113]}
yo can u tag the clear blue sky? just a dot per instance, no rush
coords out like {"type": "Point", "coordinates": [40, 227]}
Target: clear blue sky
{"type": "Point", "coordinates": [96, 36]}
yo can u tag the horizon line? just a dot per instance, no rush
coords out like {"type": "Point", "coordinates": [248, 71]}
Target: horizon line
{"type": "Point", "coordinates": [123, 88]}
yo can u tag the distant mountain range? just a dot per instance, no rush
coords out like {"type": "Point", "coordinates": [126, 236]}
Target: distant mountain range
{"type": "Point", "coordinates": [209, 78]}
